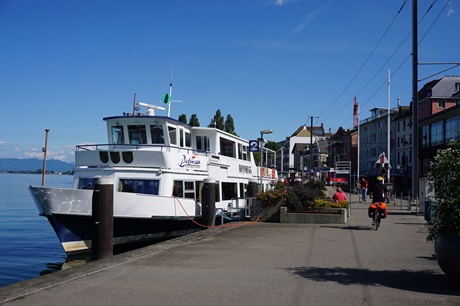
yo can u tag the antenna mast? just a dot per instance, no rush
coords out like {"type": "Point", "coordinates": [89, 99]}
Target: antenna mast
{"type": "Point", "coordinates": [134, 104]}
{"type": "Point", "coordinates": [167, 97]}
{"type": "Point", "coordinates": [170, 89]}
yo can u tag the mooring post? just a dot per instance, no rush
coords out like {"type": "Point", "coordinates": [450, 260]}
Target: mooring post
{"type": "Point", "coordinates": [255, 207]}
{"type": "Point", "coordinates": [252, 188]}
{"type": "Point", "coordinates": [208, 205]}
{"type": "Point", "coordinates": [102, 219]}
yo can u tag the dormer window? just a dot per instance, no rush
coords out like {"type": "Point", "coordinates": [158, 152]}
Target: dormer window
{"type": "Point", "coordinates": [441, 103]}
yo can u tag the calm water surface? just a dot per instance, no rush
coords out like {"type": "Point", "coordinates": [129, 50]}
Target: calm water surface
{"type": "Point", "coordinates": [28, 245]}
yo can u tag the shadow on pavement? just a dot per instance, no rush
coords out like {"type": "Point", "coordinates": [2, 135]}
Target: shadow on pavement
{"type": "Point", "coordinates": [351, 228]}
{"type": "Point", "coordinates": [418, 281]}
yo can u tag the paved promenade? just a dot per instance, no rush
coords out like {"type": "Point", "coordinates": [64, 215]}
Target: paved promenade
{"type": "Point", "coordinates": [262, 264]}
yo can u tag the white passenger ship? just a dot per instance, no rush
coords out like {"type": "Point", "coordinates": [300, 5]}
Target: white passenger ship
{"type": "Point", "coordinates": [157, 165]}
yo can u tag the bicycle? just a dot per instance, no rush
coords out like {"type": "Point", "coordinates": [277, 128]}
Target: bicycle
{"type": "Point", "coordinates": [377, 219]}
{"type": "Point", "coordinates": [377, 213]}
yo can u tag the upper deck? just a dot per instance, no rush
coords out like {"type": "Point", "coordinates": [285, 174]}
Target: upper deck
{"type": "Point", "coordinates": [165, 143]}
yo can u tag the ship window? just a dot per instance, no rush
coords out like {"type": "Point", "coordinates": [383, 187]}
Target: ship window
{"type": "Point", "coordinates": [137, 134]}
{"type": "Point", "coordinates": [217, 193]}
{"type": "Point", "coordinates": [189, 190]}
{"type": "Point", "coordinates": [202, 143]}
{"type": "Point", "coordinates": [181, 137]}
{"type": "Point", "coordinates": [178, 189]}
{"type": "Point", "coordinates": [227, 147]}
{"type": "Point", "coordinates": [229, 191]}
{"type": "Point", "coordinates": [198, 191]}
{"type": "Point", "coordinates": [118, 136]}
{"type": "Point", "coordinates": [156, 132]}
{"type": "Point", "coordinates": [186, 189]}
{"type": "Point", "coordinates": [188, 139]}
{"type": "Point", "coordinates": [243, 152]}
{"type": "Point", "coordinates": [86, 183]}
{"type": "Point", "coordinates": [172, 135]}
{"type": "Point", "coordinates": [243, 190]}
{"type": "Point", "coordinates": [139, 186]}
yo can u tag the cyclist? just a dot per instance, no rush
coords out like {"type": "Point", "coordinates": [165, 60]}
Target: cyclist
{"type": "Point", "coordinates": [364, 186]}
{"type": "Point", "coordinates": [378, 194]}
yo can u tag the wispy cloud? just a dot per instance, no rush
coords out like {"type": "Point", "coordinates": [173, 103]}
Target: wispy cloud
{"type": "Point", "coordinates": [280, 2]}
{"type": "Point", "coordinates": [304, 23]}
{"type": "Point", "coordinates": [450, 12]}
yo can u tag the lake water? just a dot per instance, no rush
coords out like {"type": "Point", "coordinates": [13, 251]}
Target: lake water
{"type": "Point", "coordinates": [28, 245]}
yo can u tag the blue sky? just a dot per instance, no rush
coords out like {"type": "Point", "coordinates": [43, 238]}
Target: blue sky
{"type": "Point", "coordinates": [270, 64]}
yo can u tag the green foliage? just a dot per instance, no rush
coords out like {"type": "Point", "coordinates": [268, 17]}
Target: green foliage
{"type": "Point", "coordinates": [256, 156]}
{"type": "Point", "coordinates": [444, 174]}
{"type": "Point", "coordinates": [183, 118]}
{"type": "Point", "coordinates": [304, 196]}
{"type": "Point", "coordinates": [194, 120]}
{"type": "Point", "coordinates": [217, 121]}
{"type": "Point", "coordinates": [273, 146]}
{"type": "Point", "coordinates": [229, 125]}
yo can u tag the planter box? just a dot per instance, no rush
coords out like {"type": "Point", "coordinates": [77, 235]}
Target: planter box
{"type": "Point", "coordinates": [266, 212]}
{"type": "Point", "coordinates": [320, 216]}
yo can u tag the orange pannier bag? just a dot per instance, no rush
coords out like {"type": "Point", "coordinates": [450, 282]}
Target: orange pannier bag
{"type": "Point", "coordinates": [382, 209]}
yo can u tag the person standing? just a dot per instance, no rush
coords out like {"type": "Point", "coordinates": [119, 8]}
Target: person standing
{"type": "Point", "coordinates": [364, 187]}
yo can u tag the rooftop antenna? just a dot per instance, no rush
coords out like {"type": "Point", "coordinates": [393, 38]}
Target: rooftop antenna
{"type": "Point", "coordinates": [167, 97]}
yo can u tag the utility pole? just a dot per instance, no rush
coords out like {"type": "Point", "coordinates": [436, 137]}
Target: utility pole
{"type": "Point", "coordinates": [311, 145]}
{"type": "Point", "coordinates": [414, 98]}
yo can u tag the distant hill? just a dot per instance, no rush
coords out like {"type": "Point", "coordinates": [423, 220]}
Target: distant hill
{"type": "Point", "coordinates": [34, 164]}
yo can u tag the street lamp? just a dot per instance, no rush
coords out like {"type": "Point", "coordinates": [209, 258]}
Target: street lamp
{"type": "Point", "coordinates": [262, 133]}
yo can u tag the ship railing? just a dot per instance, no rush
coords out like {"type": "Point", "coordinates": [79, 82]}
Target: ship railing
{"type": "Point", "coordinates": [136, 147]}
{"type": "Point", "coordinates": [240, 208]}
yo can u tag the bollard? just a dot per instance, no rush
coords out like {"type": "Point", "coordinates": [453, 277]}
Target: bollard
{"type": "Point", "coordinates": [208, 205]}
{"type": "Point", "coordinates": [102, 220]}
{"type": "Point", "coordinates": [252, 188]}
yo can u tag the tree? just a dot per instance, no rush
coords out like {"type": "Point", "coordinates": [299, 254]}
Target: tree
{"type": "Point", "coordinates": [217, 121]}
{"type": "Point", "coordinates": [194, 120]}
{"type": "Point", "coordinates": [274, 146]}
{"type": "Point", "coordinates": [183, 118]}
{"type": "Point", "coordinates": [230, 125]}
{"type": "Point", "coordinates": [444, 175]}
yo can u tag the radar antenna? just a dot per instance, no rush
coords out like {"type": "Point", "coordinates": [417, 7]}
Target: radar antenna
{"type": "Point", "coordinates": [150, 108]}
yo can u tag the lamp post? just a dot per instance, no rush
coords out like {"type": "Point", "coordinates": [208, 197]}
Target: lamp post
{"type": "Point", "coordinates": [262, 133]}
{"type": "Point", "coordinates": [282, 160]}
